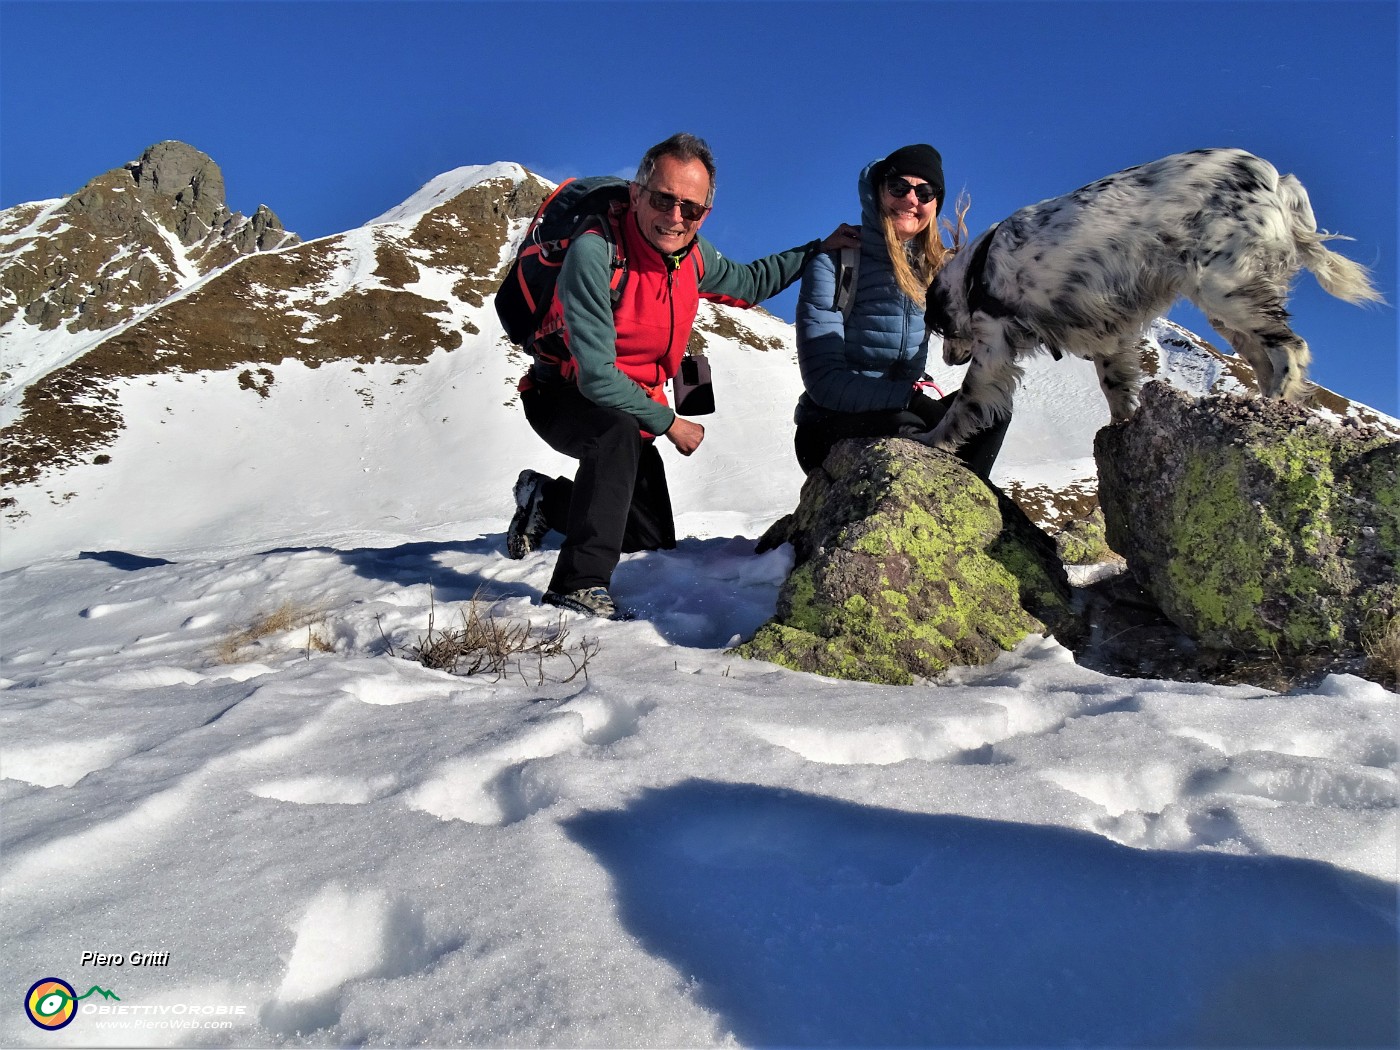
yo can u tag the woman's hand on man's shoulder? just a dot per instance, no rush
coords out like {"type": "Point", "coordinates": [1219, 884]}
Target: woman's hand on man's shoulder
{"type": "Point", "coordinates": [844, 236]}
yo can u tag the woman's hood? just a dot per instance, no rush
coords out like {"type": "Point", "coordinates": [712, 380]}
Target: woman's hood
{"type": "Point", "coordinates": [870, 232]}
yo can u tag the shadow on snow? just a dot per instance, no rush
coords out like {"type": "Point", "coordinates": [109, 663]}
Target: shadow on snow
{"type": "Point", "coordinates": [707, 593]}
{"type": "Point", "coordinates": [122, 560]}
{"type": "Point", "coordinates": [806, 921]}
{"type": "Point", "coordinates": [416, 564]}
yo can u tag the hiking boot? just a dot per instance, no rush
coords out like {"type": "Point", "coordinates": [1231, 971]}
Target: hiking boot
{"type": "Point", "coordinates": [528, 526]}
{"type": "Point", "coordinates": [591, 601]}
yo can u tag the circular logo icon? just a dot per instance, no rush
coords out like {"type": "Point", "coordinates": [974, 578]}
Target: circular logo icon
{"type": "Point", "coordinates": [51, 1003]}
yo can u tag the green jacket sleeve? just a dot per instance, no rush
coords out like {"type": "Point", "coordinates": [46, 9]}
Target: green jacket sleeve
{"type": "Point", "coordinates": [747, 284]}
{"type": "Point", "coordinates": [583, 294]}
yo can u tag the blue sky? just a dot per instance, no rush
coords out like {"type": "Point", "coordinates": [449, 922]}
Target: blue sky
{"type": "Point", "coordinates": [332, 112]}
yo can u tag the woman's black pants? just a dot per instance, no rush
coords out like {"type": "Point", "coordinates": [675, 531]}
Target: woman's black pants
{"type": "Point", "coordinates": [814, 440]}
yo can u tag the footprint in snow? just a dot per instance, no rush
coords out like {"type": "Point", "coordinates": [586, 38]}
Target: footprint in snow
{"type": "Point", "coordinates": [344, 936]}
{"type": "Point", "coordinates": [326, 790]}
{"type": "Point", "coordinates": [506, 784]}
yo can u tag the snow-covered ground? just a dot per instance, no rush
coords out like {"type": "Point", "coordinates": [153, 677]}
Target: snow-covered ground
{"type": "Point", "coordinates": [669, 846]}
{"type": "Point", "coordinates": [675, 848]}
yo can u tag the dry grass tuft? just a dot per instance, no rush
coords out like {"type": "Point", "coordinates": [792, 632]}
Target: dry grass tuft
{"type": "Point", "coordinates": [286, 617]}
{"type": "Point", "coordinates": [1380, 641]}
{"type": "Point", "coordinates": [485, 643]}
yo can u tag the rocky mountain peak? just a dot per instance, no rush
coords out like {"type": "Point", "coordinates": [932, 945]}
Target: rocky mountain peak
{"type": "Point", "coordinates": [183, 177]}
{"type": "Point", "coordinates": [125, 241]}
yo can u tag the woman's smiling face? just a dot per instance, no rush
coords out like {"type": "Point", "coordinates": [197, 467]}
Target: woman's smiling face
{"type": "Point", "coordinates": [910, 217]}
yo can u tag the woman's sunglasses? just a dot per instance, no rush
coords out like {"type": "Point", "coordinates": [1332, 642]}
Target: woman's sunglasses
{"type": "Point", "coordinates": [898, 188]}
{"type": "Point", "coordinates": [664, 202]}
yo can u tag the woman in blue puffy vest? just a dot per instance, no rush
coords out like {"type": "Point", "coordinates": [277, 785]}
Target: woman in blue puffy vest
{"type": "Point", "coordinates": [862, 364]}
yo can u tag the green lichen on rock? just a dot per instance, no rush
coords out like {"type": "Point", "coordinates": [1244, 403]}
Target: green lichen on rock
{"type": "Point", "coordinates": [1274, 529]}
{"type": "Point", "coordinates": [906, 565]}
{"type": "Point", "coordinates": [1218, 559]}
{"type": "Point", "coordinates": [1083, 540]}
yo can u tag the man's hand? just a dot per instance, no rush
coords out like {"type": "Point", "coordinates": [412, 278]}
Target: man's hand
{"type": "Point", "coordinates": [844, 236]}
{"type": "Point", "coordinates": [685, 435]}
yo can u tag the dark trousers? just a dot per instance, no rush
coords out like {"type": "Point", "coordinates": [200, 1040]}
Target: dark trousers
{"type": "Point", "coordinates": [618, 501]}
{"type": "Point", "coordinates": [814, 440]}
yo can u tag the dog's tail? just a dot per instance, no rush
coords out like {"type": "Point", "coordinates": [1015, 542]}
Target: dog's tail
{"type": "Point", "coordinates": [1337, 274]}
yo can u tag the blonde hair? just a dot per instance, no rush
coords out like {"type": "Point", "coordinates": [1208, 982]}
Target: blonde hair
{"type": "Point", "coordinates": [916, 264]}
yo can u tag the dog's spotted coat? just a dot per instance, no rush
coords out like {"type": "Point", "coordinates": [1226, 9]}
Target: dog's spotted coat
{"type": "Point", "coordinates": [1085, 273]}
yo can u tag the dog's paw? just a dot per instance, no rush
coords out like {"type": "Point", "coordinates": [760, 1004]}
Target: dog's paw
{"type": "Point", "coordinates": [1121, 413]}
{"type": "Point", "coordinates": [933, 439]}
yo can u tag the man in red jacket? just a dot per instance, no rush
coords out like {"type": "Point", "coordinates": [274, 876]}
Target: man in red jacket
{"type": "Point", "coordinates": [606, 401]}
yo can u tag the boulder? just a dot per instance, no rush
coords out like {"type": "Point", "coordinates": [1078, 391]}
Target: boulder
{"type": "Point", "coordinates": [1084, 540]}
{"type": "Point", "coordinates": [907, 563]}
{"type": "Point", "coordinates": [1255, 525]}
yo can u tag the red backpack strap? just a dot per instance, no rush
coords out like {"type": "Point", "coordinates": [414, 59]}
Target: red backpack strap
{"type": "Point", "coordinates": [533, 247]}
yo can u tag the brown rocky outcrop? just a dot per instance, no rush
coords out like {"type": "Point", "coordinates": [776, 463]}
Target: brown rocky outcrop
{"type": "Point", "coordinates": [270, 307]}
{"type": "Point", "coordinates": [125, 241]}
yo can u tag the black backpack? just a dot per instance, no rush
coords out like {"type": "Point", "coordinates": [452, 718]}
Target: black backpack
{"type": "Point", "coordinates": [576, 205]}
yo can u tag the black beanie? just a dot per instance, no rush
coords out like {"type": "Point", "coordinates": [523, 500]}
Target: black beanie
{"type": "Point", "coordinates": [920, 160]}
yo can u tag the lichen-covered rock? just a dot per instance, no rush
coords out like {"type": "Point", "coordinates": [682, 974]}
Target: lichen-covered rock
{"type": "Point", "coordinates": [907, 563]}
{"type": "Point", "coordinates": [1254, 524]}
{"type": "Point", "coordinates": [1084, 540]}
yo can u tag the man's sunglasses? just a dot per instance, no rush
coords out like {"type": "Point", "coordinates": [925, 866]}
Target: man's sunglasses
{"type": "Point", "coordinates": [664, 202]}
{"type": "Point", "coordinates": [898, 188]}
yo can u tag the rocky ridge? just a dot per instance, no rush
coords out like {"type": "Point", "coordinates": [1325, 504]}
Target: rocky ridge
{"type": "Point", "coordinates": [1261, 543]}
{"type": "Point", "coordinates": [128, 239]}
{"type": "Point", "coordinates": [389, 291]}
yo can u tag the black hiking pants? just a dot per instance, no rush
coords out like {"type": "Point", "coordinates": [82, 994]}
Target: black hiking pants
{"type": "Point", "coordinates": [814, 440]}
{"type": "Point", "coordinates": [618, 501]}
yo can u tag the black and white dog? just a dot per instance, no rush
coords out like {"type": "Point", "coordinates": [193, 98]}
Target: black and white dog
{"type": "Point", "coordinates": [1087, 272]}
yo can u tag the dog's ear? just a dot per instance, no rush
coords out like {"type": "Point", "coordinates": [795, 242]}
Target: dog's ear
{"type": "Point", "coordinates": [937, 317]}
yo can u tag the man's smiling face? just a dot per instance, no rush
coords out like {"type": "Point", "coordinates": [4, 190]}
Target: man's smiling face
{"type": "Point", "coordinates": [685, 180]}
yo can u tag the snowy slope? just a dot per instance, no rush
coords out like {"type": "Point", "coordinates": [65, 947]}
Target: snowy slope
{"type": "Point", "coordinates": [433, 449]}
{"type": "Point", "coordinates": [675, 848]}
